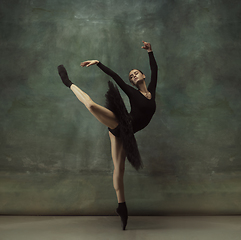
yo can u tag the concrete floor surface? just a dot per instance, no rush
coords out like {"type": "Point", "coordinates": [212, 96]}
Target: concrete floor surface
{"type": "Point", "coordinates": [108, 227]}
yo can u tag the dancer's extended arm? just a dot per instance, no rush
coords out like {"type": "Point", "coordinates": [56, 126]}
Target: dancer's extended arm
{"type": "Point", "coordinates": [125, 87]}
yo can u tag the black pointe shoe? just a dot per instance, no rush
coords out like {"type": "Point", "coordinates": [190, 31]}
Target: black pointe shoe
{"type": "Point", "coordinates": [122, 212]}
{"type": "Point", "coordinates": [64, 76]}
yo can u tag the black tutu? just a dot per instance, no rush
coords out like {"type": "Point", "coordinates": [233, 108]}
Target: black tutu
{"type": "Point", "coordinates": [124, 130]}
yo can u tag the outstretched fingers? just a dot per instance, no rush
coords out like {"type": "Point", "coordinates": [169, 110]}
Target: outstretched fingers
{"type": "Point", "coordinates": [89, 63]}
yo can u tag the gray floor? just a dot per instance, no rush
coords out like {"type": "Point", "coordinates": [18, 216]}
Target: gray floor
{"type": "Point", "coordinates": [88, 228]}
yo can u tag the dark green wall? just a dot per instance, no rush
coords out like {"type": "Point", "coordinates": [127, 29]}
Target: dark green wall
{"type": "Point", "coordinates": [55, 157]}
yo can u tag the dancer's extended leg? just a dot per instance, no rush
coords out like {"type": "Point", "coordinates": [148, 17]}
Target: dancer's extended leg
{"type": "Point", "coordinates": [118, 156]}
{"type": "Point", "coordinates": [103, 114]}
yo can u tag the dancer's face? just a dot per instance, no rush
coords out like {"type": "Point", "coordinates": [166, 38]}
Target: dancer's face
{"type": "Point", "coordinates": [135, 76]}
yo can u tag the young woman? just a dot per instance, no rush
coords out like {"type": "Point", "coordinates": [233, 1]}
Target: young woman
{"type": "Point", "coordinates": [121, 124]}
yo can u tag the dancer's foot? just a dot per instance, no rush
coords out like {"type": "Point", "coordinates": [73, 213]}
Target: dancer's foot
{"type": "Point", "coordinates": [123, 213]}
{"type": "Point", "coordinates": [64, 76]}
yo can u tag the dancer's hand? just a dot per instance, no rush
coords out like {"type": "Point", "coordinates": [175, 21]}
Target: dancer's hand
{"type": "Point", "coordinates": [89, 63]}
{"type": "Point", "coordinates": [147, 46]}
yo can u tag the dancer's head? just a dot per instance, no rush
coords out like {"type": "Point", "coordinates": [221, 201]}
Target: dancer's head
{"type": "Point", "coordinates": [136, 76]}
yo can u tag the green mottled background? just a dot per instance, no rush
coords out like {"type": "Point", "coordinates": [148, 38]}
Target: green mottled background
{"type": "Point", "coordinates": [55, 156]}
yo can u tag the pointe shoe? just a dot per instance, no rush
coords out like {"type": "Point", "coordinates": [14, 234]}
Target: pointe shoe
{"type": "Point", "coordinates": [64, 76]}
{"type": "Point", "coordinates": [124, 217]}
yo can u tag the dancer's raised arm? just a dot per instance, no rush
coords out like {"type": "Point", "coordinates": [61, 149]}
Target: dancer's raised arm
{"type": "Point", "coordinates": [147, 46]}
{"type": "Point", "coordinates": [153, 66]}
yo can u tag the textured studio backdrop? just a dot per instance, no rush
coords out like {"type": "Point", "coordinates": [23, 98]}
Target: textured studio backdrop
{"type": "Point", "coordinates": [55, 156]}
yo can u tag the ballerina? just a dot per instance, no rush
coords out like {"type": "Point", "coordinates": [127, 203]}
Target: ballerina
{"type": "Point", "coordinates": [121, 124]}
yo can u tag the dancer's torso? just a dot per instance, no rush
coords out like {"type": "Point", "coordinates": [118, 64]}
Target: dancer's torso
{"type": "Point", "coordinates": [142, 108]}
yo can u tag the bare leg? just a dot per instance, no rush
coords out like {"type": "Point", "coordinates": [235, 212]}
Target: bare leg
{"type": "Point", "coordinates": [118, 156]}
{"type": "Point", "coordinates": [103, 114]}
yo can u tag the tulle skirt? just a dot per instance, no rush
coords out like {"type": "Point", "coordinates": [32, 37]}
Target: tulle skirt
{"type": "Point", "coordinates": [124, 130]}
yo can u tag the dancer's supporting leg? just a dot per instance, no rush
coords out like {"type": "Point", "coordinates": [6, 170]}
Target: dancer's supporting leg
{"type": "Point", "coordinates": [118, 156]}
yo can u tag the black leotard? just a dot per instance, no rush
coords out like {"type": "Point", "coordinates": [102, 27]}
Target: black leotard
{"type": "Point", "coordinates": [142, 108]}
